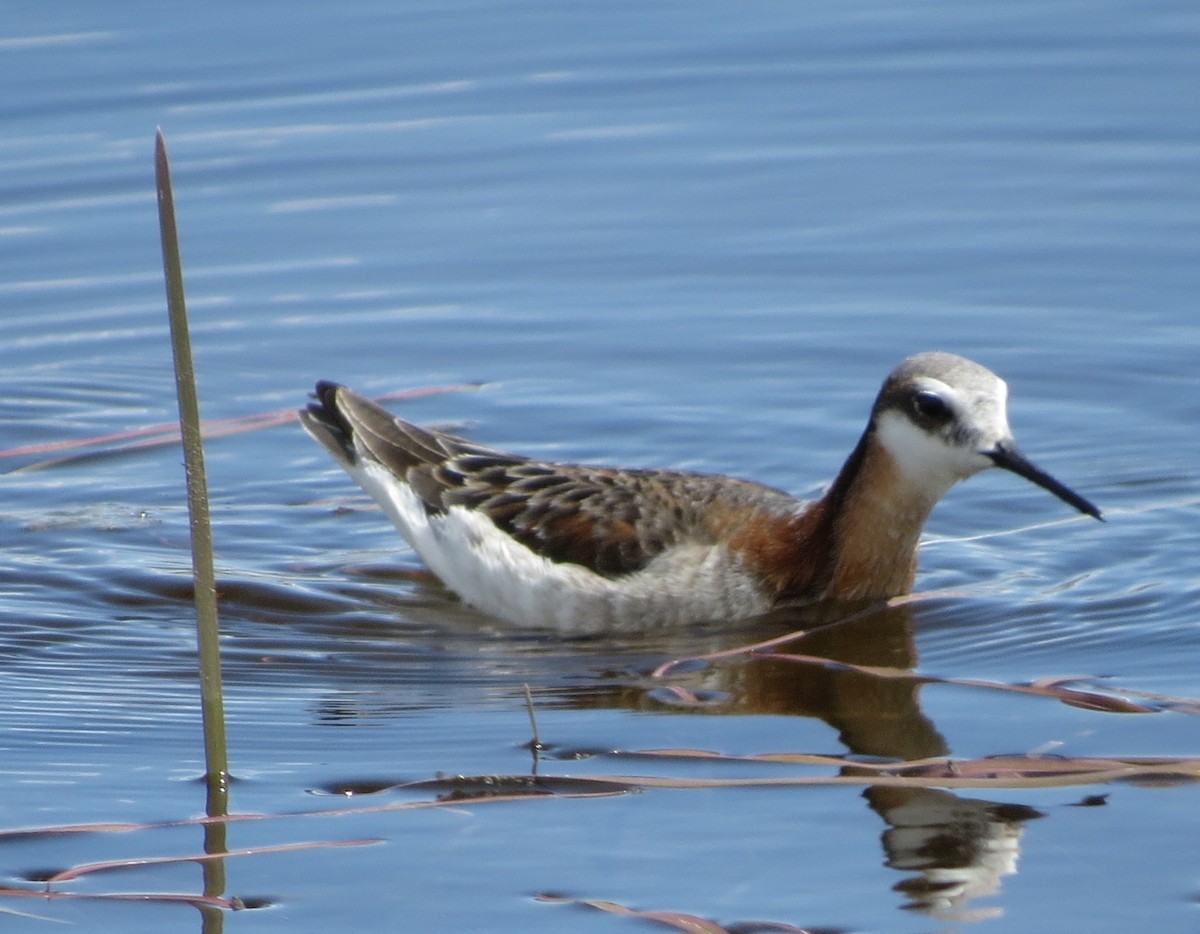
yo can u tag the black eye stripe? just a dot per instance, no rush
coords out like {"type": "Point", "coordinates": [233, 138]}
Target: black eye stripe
{"type": "Point", "coordinates": [929, 405]}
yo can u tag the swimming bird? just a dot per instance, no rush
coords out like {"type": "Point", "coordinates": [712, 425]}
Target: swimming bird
{"type": "Point", "coordinates": [589, 548]}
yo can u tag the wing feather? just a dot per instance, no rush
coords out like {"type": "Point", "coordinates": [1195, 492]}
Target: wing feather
{"type": "Point", "coordinates": [613, 522]}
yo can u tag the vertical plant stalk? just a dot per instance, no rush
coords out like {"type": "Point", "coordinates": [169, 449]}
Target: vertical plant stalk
{"type": "Point", "coordinates": [204, 578]}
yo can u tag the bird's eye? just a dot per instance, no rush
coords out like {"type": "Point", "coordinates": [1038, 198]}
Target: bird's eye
{"type": "Point", "coordinates": [931, 406]}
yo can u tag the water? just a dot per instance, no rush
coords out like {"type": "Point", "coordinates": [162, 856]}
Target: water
{"type": "Point", "coordinates": [683, 235]}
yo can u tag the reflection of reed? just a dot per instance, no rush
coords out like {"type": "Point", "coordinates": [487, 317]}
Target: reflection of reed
{"type": "Point", "coordinates": [216, 843]}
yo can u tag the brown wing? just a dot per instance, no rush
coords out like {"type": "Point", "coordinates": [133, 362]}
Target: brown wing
{"type": "Point", "coordinates": [611, 521]}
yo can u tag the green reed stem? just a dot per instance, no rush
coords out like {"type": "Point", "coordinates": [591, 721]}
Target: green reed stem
{"type": "Point", "coordinates": [204, 578]}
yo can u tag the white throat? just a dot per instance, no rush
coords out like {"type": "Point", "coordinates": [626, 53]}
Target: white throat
{"type": "Point", "coordinates": [927, 461]}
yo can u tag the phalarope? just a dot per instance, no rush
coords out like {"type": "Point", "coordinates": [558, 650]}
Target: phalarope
{"type": "Point", "coordinates": [586, 548]}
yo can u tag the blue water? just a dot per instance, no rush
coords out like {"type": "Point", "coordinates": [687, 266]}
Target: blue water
{"type": "Point", "coordinates": [692, 235]}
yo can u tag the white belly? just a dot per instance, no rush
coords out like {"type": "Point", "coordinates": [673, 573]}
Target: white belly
{"type": "Point", "coordinates": [498, 575]}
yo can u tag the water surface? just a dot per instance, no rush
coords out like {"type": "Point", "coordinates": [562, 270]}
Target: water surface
{"type": "Point", "coordinates": [684, 235]}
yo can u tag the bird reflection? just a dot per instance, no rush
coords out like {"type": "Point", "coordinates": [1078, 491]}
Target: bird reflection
{"type": "Point", "coordinates": [953, 850]}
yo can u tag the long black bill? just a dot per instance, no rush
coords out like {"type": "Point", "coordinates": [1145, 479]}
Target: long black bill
{"type": "Point", "coordinates": [1007, 456]}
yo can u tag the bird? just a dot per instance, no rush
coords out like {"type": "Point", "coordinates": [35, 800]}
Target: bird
{"type": "Point", "coordinates": [590, 548]}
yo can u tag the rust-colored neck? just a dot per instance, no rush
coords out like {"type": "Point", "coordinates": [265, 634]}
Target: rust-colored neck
{"type": "Point", "coordinates": [859, 541]}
